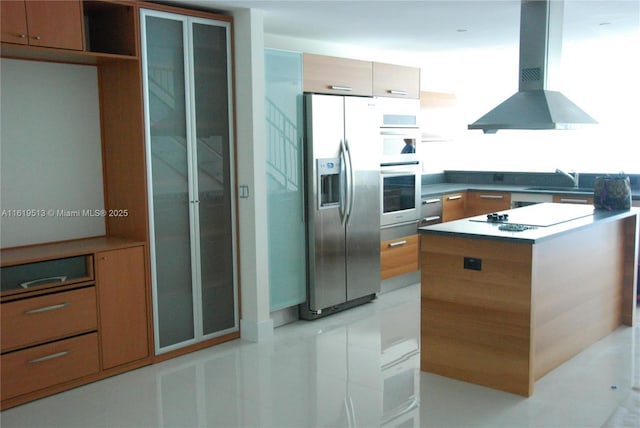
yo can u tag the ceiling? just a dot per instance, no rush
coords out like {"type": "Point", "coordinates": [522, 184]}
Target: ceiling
{"type": "Point", "coordinates": [428, 25]}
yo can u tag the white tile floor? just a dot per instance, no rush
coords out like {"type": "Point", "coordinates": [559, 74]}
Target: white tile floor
{"type": "Point", "coordinates": [356, 368]}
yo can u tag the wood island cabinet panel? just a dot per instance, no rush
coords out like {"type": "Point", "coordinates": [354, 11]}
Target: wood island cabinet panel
{"type": "Point", "coordinates": [333, 75]}
{"type": "Point", "coordinates": [45, 318]}
{"type": "Point", "coordinates": [47, 365]}
{"type": "Point", "coordinates": [397, 81]}
{"type": "Point", "coordinates": [123, 306]}
{"type": "Point", "coordinates": [13, 26]}
{"type": "Point", "coordinates": [453, 206]}
{"type": "Point", "coordinates": [55, 24]}
{"type": "Point", "coordinates": [399, 256]}
{"type": "Point", "coordinates": [478, 203]}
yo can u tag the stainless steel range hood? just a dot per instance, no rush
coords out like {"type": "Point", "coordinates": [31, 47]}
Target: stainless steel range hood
{"type": "Point", "coordinates": [534, 106]}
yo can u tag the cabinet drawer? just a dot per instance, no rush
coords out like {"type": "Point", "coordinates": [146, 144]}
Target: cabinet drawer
{"type": "Point", "coordinates": [573, 199]}
{"type": "Point", "coordinates": [453, 206]}
{"type": "Point", "coordinates": [478, 203]}
{"type": "Point", "coordinates": [46, 365]}
{"type": "Point", "coordinates": [53, 316]}
{"type": "Point", "coordinates": [398, 256]}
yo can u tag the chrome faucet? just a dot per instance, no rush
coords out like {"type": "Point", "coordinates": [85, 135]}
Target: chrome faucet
{"type": "Point", "coordinates": [573, 176]}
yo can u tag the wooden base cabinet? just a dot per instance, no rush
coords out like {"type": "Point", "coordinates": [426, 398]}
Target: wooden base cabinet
{"type": "Point", "coordinates": [399, 256]}
{"type": "Point", "coordinates": [453, 206]}
{"type": "Point", "coordinates": [61, 328]}
{"type": "Point", "coordinates": [478, 203]}
{"type": "Point", "coordinates": [123, 307]}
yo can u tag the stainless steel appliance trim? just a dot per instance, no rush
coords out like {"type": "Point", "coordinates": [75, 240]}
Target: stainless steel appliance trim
{"type": "Point", "coordinates": [399, 130]}
{"type": "Point", "coordinates": [430, 201]}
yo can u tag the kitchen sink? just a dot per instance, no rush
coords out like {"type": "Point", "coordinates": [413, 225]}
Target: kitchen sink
{"type": "Point", "coordinates": [562, 189]}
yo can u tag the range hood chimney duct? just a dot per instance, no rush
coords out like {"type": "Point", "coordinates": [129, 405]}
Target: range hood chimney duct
{"type": "Point", "coordinates": [534, 106]}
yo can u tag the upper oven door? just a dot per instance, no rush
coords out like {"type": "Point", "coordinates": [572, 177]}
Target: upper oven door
{"type": "Point", "coordinates": [399, 128]}
{"type": "Point", "coordinates": [399, 144]}
{"type": "Point", "coordinates": [400, 185]}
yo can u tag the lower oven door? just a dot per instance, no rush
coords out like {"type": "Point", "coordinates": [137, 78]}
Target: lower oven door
{"type": "Point", "coordinates": [400, 192]}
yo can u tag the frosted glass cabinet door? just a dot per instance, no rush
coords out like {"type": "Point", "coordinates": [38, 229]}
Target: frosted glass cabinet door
{"type": "Point", "coordinates": [214, 177]}
{"type": "Point", "coordinates": [167, 127]}
{"type": "Point", "coordinates": [187, 107]}
{"type": "Point", "coordinates": [285, 216]}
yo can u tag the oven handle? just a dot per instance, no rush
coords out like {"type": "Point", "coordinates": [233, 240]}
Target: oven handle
{"type": "Point", "coordinates": [397, 172]}
{"type": "Point", "coordinates": [401, 132]}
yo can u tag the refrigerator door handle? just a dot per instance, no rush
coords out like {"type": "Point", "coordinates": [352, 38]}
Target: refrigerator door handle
{"type": "Point", "coordinates": [350, 188]}
{"type": "Point", "coordinates": [343, 183]}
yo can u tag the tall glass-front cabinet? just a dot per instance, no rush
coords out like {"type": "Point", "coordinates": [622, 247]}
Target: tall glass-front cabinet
{"type": "Point", "coordinates": [189, 139]}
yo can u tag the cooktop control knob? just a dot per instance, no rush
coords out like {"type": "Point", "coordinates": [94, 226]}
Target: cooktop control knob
{"type": "Point", "coordinates": [495, 217]}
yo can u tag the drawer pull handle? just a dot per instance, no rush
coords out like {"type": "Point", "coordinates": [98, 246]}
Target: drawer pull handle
{"type": "Point", "coordinates": [49, 357]}
{"type": "Point", "coordinates": [453, 198]}
{"type": "Point", "coordinates": [431, 218]}
{"type": "Point", "coordinates": [41, 281]}
{"type": "Point", "coordinates": [430, 201]}
{"type": "Point", "coordinates": [396, 92]}
{"type": "Point", "coordinates": [341, 88]}
{"type": "Point", "coordinates": [491, 197]}
{"type": "Point", "coordinates": [46, 309]}
{"type": "Point", "coordinates": [397, 244]}
{"type": "Point", "coordinates": [574, 201]}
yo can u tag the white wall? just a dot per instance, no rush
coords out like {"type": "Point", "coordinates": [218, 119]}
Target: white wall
{"type": "Point", "coordinates": [256, 324]}
{"type": "Point", "coordinates": [50, 152]}
{"type": "Point", "coordinates": [600, 76]}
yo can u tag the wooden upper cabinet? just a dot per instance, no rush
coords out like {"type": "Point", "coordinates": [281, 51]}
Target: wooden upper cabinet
{"type": "Point", "coordinates": [14, 22]}
{"type": "Point", "coordinates": [55, 24]}
{"type": "Point", "coordinates": [52, 24]}
{"type": "Point", "coordinates": [333, 75]}
{"type": "Point", "coordinates": [397, 81]}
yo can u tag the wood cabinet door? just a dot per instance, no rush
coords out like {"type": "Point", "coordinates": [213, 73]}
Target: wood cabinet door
{"type": "Point", "coordinates": [55, 24]}
{"type": "Point", "coordinates": [14, 22]}
{"type": "Point", "coordinates": [123, 306]}
{"type": "Point", "coordinates": [398, 81]}
{"type": "Point", "coordinates": [399, 256]}
{"type": "Point", "coordinates": [453, 206]}
{"type": "Point", "coordinates": [333, 75]}
{"type": "Point", "coordinates": [486, 202]}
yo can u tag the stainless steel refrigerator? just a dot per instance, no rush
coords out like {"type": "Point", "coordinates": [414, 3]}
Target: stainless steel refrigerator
{"type": "Point", "coordinates": [342, 175]}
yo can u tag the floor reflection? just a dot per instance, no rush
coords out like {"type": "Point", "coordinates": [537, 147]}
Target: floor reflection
{"type": "Point", "coordinates": [359, 368]}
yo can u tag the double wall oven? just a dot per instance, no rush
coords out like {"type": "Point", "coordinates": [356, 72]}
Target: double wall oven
{"type": "Point", "coordinates": [400, 168]}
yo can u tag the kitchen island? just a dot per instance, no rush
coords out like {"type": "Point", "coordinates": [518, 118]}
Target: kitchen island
{"type": "Point", "coordinates": [506, 300]}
